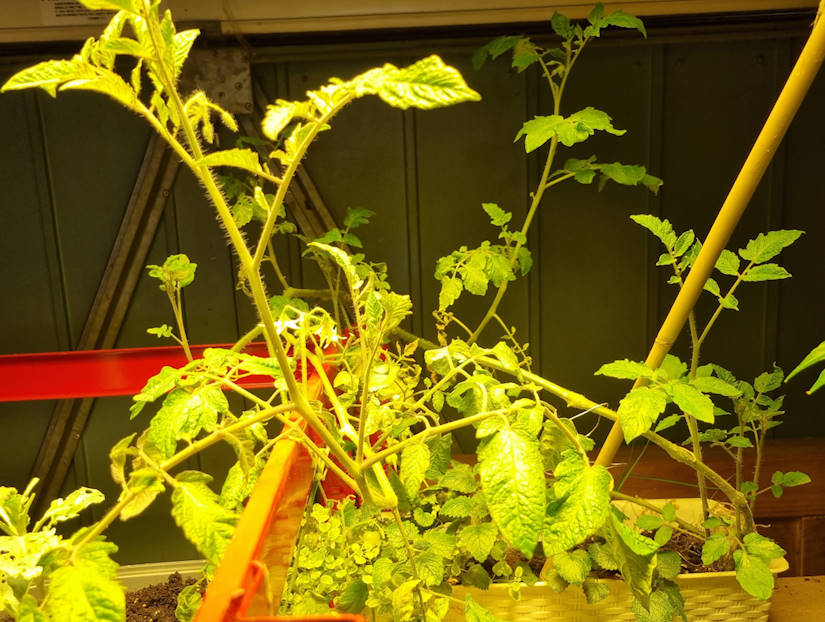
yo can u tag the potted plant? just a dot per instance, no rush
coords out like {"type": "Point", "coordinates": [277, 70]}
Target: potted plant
{"type": "Point", "coordinates": [375, 405]}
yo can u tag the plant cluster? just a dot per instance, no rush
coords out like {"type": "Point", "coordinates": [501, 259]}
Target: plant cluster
{"type": "Point", "coordinates": [384, 403]}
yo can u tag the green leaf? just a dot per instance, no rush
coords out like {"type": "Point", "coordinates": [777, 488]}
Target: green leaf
{"type": "Point", "coordinates": [624, 20]}
{"type": "Point", "coordinates": [441, 543]}
{"type": "Point", "coordinates": [46, 75]}
{"type": "Point", "coordinates": [353, 598]}
{"type": "Point", "coordinates": [635, 556]}
{"type": "Point", "coordinates": [625, 369]}
{"type": "Point", "coordinates": [561, 26]}
{"type": "Point", "coordinates": [768, 245]}
{"type": "Point", "coordinates": [460, 478]}
{"type": "Point", "coordinates": [512, 477]}
{"type": "Point", "coordinates": [715, 548]}
{"type": "Point", "coordinates": [624, 174]}
{"type": "Point", "coordinates": [181, 45]}
{"type": "Point", "coordinates": [639, 410]}
{"type": "Point", "coordinates": [762, 547]}
{"type": "Point", "coordinates": [357, 216]}
{"type": "Point", "coordinates": [693, 402]}
{"type": "Point", "coordinates": [649, 522]}
{"type": "Point", "coordinates": [473, 612]}
{"type": "Point", "coordinates": [583, 170]}
{"type": "Point", "coordinates": [205, 522]}
{"type": "Point", "coordinates": [768, 381]}
{"type": "Point", "coordinates": [244, 159]}
{"type": "Point", "coordinates": [595, 590]}
{"type": "Point", "coordinates": [478, 540]}
{"type": "Point", "coordinates": [795, 478]}
{"type": "Point", "coordinates": [494, 49]}
{"type": "Point", "coordinates": [343, 260]}
{"type": "Point", "coordinates": [451, 288]}
{"type": "Point", "coordinates": [753, 575]}
{"type": "Point", "coordinates": [87, 590]}
{"type": "Point", "coordinates": [60, 510]}
{"type": "Point", "coordinates": [189, 601]}
{"type": "Point", "coordinates": [430, 567]}
{"type": "Point", "coordinates": [728, 263]}
{"type": "Point", "coordinates": [663, 535]}
{"type": "Point", "coordinates": [415, 460]}
{"type": "Point", "coordinates": [498, 216]}
{"type": "Point", "coordinates": [709, 384]}
{"type": "Point", "coordinates": [668, 564]}
{"type": "Point", "coordinates": [817, 355]}
{"type": "Point", "coordinates": [583, 502]}
{"type": "Point", "coordinates": [457, 507]}
{"type": "Point", "coordinates": [576, 128]}
{"type": "Point", "coordinates": [662, 229]}
{"type": "Point", "coordinates": [426, 84]}
{"type": "Point", "coordinates": [573, 566]}
{"type": "Point", "coordinates": [602, 557]}
{"type": "Point", "coordinates": [766, 272]}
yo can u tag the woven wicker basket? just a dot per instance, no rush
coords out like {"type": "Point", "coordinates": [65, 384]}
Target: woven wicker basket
{"type": "Point", "coordinates": [709, 597]}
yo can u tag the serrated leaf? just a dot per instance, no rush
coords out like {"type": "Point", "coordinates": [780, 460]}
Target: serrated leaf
{"type": "Point", "coordinates": [473, 612]}
{"type": "Point", "coordinates": [205, 522]}
{"type": "Point", "coordinates": [181, 45]}
{"type": "Point", "coordinates": [440, 449]}
{"type": "Point", "coordinates": [498, 216]}
{"type": "Point", "coordinates": [602, 556]}
{"type": "Point", "coordinates": [415, 460]}
{"type": "Point", "coordinates": [244, 159]}
{"type": "Point", "coordinates": [494, 49]}
{"type": "Point", "coordinates": [457, 507]}
{"type": "Point", "coordinates": [60, 509]}
{"type": "Point", "coordinates": [625, 369]}
{"type": "Point", "coordinates": [451, 288]}
{"type": "Point", "coordinates": [693, 402]}
{"type": "Point", "coordinates": [573, 566]}
{"type": "Point", "coordinates": [576, 128]}
{"type": "Point", "coordinates": [357, 216]}
{"type": "Point", "coordinates": [430, 567]}
{"type": "Point", "coordinates": [741, 442]}
{"type": "Point", "coordinates": [512, 478]}
{"type": "Point", "coordinates": [561, 25]}
{"type": "Point", "coordinates": [728, 263]}
{"type": "Point", "coordinates": [621, 19]}
{"type": "Point", "coordinates": [768, 245]}
{"type": "Point", "coordinates": [762, 547]}
{"type": "Point", "coordinates": [662, 229]}
{"type": "Point", "coordinates": [768, 381]}
{"type": "Point", "coordinates": [583, 502]}
{"type": "Point", "coordinates": [441, 543]}
{"type": "Point", "coordinates": [426, 84]}
{"type": "Point", "coordinates": [478, 540]}
{"type": "Point", "coordinates": [639, 410]}
{"type": "Point", "coordinates": [353, 598]}
{"type": "Point", "coordinates": [87, 590]}
{"type": "Point", "coordinates": [709, 384]}
{"type": "Point", "coordinates": [766, 272]}
{"type": "Point", "coordinates": [668, 564]}
{"type": "Point", "coordinates": [635, 556]}
{"type": "Point", "coordinates": [459, 477]}
{"type": "Point", "coordinates": [595, 590]}
{"type": "Point", "coordinates": [753, 575]}
{"type": "Point", "coordinates": [714, 548]}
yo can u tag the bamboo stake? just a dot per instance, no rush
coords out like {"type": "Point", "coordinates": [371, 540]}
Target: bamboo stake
{"type": "Point", "coordinates": [802, 75]}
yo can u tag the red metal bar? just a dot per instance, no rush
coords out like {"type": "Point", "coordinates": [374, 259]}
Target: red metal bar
{"type": "Point", "coordinates": [98, 373]}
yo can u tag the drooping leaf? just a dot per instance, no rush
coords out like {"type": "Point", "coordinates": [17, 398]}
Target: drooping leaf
{"type": "Point", "coordinates": [753, 574]}
{"type": "Point", "coordinates": [451, 288]}
{"type": "Point", "coordinates": [582, 503]}
{"type": "Point", "coordinates": [714, 548]}
{"type": "Point", "coordinates": [762, 547]}
{"type": "Point", "coordinates": [353, 598]}
{"type": "Point", "coordinates": [473, 612]}
{"type": "Point", "coordinates": [595, 590]}
{"type": "Point", "coordinates": [639, 410]}
{"type": "Point", "coordinates": [415, 460]}
{"type": "Point", "coordinates": [512, 477]}
{"type": "Point", "coordinates": [710, 384]}
{"type": "Point", "coordinates": [494, 49]}
{"type": "Point", "coordinates": [635, 556]}
{"type": "Point", "coordinates": [143, 486]}
{"type": "Point", "coordinates": [573, 566]}
{"type": "Point", "coordinates": [205, 522]}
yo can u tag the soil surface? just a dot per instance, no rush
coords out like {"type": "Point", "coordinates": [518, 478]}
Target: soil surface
{"type": "Point", "coordinates": [156, 603]}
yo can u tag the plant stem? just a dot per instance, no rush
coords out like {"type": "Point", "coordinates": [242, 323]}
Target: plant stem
{"type": "Point", "coordinates": [410, 551]}
{"type": "Point", "coordinates": [685, 525]}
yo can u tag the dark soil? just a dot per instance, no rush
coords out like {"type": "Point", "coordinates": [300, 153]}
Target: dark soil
{"type": "Point", "coordinates": [156, 603]}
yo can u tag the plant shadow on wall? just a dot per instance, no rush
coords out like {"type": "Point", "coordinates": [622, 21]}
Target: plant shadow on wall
{"type": "Point", "coordinates": [384, 403]}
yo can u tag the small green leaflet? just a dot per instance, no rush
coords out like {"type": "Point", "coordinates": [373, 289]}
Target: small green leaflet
{"type": "Point", "coordinates": [576, 128]}
{"type": "Point", "coordinates": [457, 507]}
{"type": "Point", "coordinates": [762, 547]}
{"type": "Point", "coordinates": [573, 566]}
{"type": "Point", "coordinates": [353, 598]}
{"type": "Point", "coordinates": [714, 548]}
{"type": "Point", "coordinates": [498, 216]}
{"type": "Point", "coordinates": [494, 49]}
{"type": "Point", "coordinates": [430, 567]}
{"type": "Point", "coordinates": [60, 510]}
{"type": "Point", "coordinates": [451, 288]}
{"type": "Point", "coordinates": [639, 410]}
{"type": "Point", "coordinates": [709, 384]}
{"type": "Point", "coordinates": [196, 510]}
{"type": "Point", "coordinates": [512, 477]}
{"type": "Point", "coordinates": [583, 501]}
{"type": "Point", "coordinates": [478, 539]}
{"type": "Point", "coordinates": [459, 477]}
{"type": "Point", "coordinates": [625, 369]}
{"type": "Point", "coordinates": [662, 229]}
{"type": "Point", "coordinates": [766, 272]}
{"type": "Point", "coordinates": [728, 263]}
{"type": "Point", "coordinates": [768, 245]}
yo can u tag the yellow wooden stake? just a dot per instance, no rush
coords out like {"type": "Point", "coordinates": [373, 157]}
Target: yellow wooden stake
{"type": "Point", "coordinates": [802, 75]}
